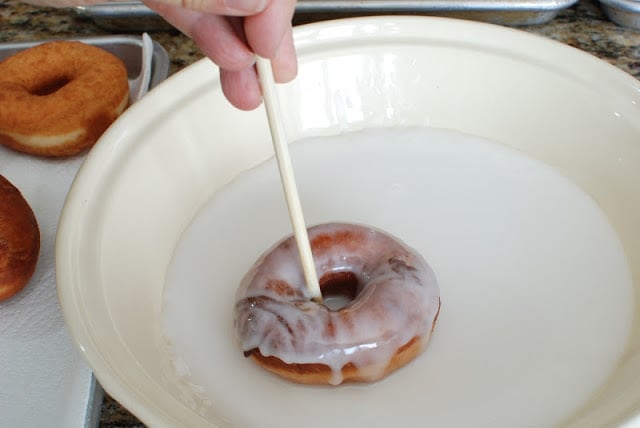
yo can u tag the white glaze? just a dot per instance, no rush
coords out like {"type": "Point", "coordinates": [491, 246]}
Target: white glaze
{"type": "Point", "coordinates": [399, 301]}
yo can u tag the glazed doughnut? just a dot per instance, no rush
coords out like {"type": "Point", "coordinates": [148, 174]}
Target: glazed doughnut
{"type": "Point", "coordinates": [57, 98]}
{"type": "Point", "coordinates": [19, 240]}
{"type": "Point", "coordinates": [393, 305]}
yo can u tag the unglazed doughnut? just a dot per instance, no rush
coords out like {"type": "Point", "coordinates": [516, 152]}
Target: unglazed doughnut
{"type": "Point", "coordinates": [57, 98]}
{"type": "Point", "coordinates": [394, 305]}
{"type": "Point", "coordinates": [19, 240]}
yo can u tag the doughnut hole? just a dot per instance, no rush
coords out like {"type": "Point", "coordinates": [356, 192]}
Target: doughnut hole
{"type": "Point", "coordinates": [339, 289]}
{"type": "Point", "coordinates": [50, 86]}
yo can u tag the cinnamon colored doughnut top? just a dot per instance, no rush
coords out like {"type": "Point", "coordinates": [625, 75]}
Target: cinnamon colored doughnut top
{"type": "Point", "coordinates": [57, 98]}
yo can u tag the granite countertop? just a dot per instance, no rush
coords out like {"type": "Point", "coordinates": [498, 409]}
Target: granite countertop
{"type": "Point", "coordinates": [583, 26]}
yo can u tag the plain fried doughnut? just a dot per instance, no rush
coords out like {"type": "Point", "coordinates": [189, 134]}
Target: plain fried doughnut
{"type": "Point", "coordinates": [394, 303]}
{"type": "Point", "coordinates": [57, 98]}
{"type": "Point", "coordinates": [19, 240]}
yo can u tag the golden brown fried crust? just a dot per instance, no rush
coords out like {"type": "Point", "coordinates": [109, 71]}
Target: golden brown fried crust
{"type": "Point", "coordinates": [319, 374]}
{"type": "Point", "coordinates": [60, 89]}
{"type": "Point", "coordinates": [19, 240]}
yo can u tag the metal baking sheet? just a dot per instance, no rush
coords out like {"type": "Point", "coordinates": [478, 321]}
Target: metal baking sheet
{"type": "Point", "coordinates": [623, 12]}
{"type": "Point", "coordinates": [135, 15]}
{"type": "Point", "coordinates": [44, 380]}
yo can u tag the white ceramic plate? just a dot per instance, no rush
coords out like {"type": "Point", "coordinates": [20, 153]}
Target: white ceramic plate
{"type": "Point", "coordinates": [155, 169]}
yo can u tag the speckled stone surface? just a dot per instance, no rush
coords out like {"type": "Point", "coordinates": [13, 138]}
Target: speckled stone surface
{"type": "Point", "coordinates": [583, 26]}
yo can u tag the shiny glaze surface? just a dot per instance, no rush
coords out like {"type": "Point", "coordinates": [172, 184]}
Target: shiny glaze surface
{"type": "Point", "coordinates": [397, 300]}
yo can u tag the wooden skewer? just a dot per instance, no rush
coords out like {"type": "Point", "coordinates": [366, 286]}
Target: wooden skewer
{"type": "Point", "coordinates": [271, 103]}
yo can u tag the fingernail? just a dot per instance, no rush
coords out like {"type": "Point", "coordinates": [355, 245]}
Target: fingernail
{"type": "Point", "coordinates": [247, 5]}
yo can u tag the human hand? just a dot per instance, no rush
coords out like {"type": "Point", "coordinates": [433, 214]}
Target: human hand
{"type": "Point", "coordinates": [230, 32]}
